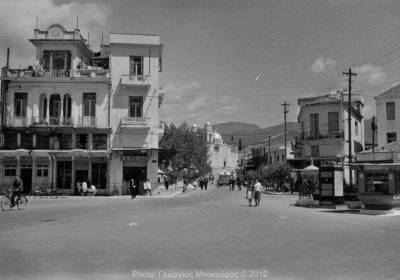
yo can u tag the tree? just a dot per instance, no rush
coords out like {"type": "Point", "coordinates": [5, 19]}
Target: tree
{"type": "Point", "coordinates": [184, 152]}
{"type": "Point", "coordinates": [240, 144]}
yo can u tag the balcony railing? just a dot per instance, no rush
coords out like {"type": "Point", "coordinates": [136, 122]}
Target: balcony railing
{"type": "Point", "coordinates": [15, 121]}
{"type": "Point", "coordinates": [33, 73]}
{"type": "Point", "coordinates": [135, 122]}
{"type": "Point", "coordinates": [136, 80]}
{"type": "Point", "coordinates": [88, 121]}
{"type": "Point", "coordinates": [52, 121]}
{"type": "Point", "coordinates": [330, 134]}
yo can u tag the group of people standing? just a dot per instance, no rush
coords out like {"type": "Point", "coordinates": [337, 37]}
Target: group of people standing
{"type": "Point", "coordinates": [235, 181]}
{"type": "Point", "coordinates": [85, 188]}
{"type": "Point", "coordinates": [134, 189]}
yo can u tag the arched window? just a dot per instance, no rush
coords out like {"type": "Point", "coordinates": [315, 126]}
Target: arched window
{"type": "Point", "coordinates": [67, 106]}
{"type": "Point", "coordinates": [55, 109]}
{"type": "Point", "coordinates": [42, 108]}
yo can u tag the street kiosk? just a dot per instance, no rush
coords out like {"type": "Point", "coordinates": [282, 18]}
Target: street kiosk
{"type": "Point", "coordinates": [331, 184]}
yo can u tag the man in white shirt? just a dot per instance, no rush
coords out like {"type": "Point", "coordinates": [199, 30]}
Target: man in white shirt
{"type": "Point", "coordinates": [84, 188]}
{"type": "Point", "coordinates": [257, 192]}
{"type": "Point", "coordinates": [147, 186]}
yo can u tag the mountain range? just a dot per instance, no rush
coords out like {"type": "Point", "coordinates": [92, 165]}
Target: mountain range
{"type": "Point", "coordinates": [250, 134]}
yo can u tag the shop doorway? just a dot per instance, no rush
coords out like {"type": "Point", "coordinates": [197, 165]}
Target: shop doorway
{"type": "Point", "coordinates": [139, 174]}
{"type": "Point", "coordinates": [26, 177]}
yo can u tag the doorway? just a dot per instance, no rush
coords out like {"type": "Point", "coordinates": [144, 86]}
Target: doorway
{"type": "Point", "coordinates": [26, 177]}
{"type": "Point", "coordinates": [139, 175]}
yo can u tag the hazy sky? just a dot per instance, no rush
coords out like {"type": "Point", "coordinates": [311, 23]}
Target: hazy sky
{"type": "Point", "coordinates": [231, 60]}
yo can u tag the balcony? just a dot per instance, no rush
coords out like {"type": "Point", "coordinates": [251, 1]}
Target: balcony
{"type": "Point", "coordinates": [87, 122]}
{"type": "Point", "coordinates": [36, 74]}
{"type": "Point", "coordinates": [329, 135]}
{"type": "Point", "coordinates": [136, 80]}
{"type": "Point", "coordinates": [51, 121]}
{"type": "Point", "coordinates": [135, 122]}
{"type": "Point", "coordinates": [15, 121]}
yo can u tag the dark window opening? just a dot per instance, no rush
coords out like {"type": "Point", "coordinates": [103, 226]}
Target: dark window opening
{"type": "Point", "coordinates": [82, 141]}
{"type": "Point", "coordinates": [135, 106]}
{"type": "Point", "coordinates": [99, 141]}
{"type": "Point", "coordinates": [20, 103]}
{"type": "Point", "coordinates": [136, 65]}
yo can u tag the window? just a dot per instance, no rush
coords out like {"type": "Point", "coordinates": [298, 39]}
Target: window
{"type": "Point", "coordinates": [99, 175]}
{"type": "Point", "coordinates": [26, 140]}
{"type": "Point", "coordinates": [65, 141]}
{"type": "Point", "coordinates": [315, 151]}
{"type": "Point", "coordinates": [99, 141]}
{"type": "Point", "coordinates": [89, 104]}
{"type": "Point", "coordinates": [42, 141]}
{"type": "Point", "coordinates": [356, 128]}
{"type": "Point", "coordinates": [82, 141]}
{"type": "Point", "coordinates": [10, 141]}
{"type": "Point", "coordinates": [314, 125]}
{"type": "Point", "coordinates": [390, 110]}
{"type": "Point", "coordinates": [135, 106]}
{"type": "Point", "coordinates": [277, 158]}
{"type": "Point", "coordinates": [42, 170]}
{"type": "Point", "coordinates": [136, 65]}
{"type": "Point", "coordinates": [391, 137]}
{"type": "Point", "coordinates": [20, 103]}
{"type": "Point", "coordinates": [10, 169]}
{"type": "Point", "coordinates": [333, 121]}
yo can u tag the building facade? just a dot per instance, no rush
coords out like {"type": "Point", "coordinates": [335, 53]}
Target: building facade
{"type": "Point", "coordinates": [222, 157]}
{"type": "Point", "coordinates": [64, 119]}
{"type": "Point", "coordinates": [265, 154]}
{"type": "Point", "coordinates": [324, 133]}
{"type": "Point", "coordinates": [388, 114]}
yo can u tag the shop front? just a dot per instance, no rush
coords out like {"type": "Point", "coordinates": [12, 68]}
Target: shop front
{"type": "Point", "coordinates": [379, 185]}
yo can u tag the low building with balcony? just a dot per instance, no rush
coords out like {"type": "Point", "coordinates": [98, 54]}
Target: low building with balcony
{"type": "Point", "coordinates": [69, 119]}
{"type": "Point", "coordinates": [324, 134]}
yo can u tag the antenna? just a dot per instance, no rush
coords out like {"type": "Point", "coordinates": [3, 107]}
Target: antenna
{"type": "Point", "coordinates": [88, 38]}
{"type": "Point", "coordinates": [37, 20]}
{"type": "Point", "coordinates": [77, 22]}
{"type": "Point", "coordinates": [102, 37]}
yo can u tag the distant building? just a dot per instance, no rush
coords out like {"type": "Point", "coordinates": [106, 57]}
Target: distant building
{"type": "Point", "coordinates": [388, 116]}
{"type": "Point", "coordinates": [264, 154]}
{"type": "Point", "coordinates": [223, 157]}
{"type": "Point", "coordinates": [323, 133]}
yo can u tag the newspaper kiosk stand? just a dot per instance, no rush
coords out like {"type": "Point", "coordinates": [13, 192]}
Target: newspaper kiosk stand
{"type": "Point", "coordinates": [331, 184]}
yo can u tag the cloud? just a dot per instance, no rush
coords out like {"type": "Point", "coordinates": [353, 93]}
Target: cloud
{"type": "Point", "coordinates": [375, 75]}
{"type": "Point", "coordinates": [198, 103]}
{"type": "Point", "coordinates": [322, 64]}
{"type": "Point", "coordinates": [17, 19]}
{"type": "Point", "coordinates": [175, 91]}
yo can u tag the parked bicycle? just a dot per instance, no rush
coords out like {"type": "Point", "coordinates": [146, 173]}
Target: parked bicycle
{"type": "Point", "coordinates": [20, 201]}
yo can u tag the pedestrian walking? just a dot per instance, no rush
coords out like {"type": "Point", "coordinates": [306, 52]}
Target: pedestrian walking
{"type": "Point", "coordinates": [250, 192]}
{"type": "Point", "coordinates": [132, 188]}
{"type": "Point", "coordinates": [201, 182]}
{"type": "Point", "coordinates": [257, 193]}
{"type": "Point", "coordinates": [205, 183]}
{"type": "Point", "coordinates": [147, 187]}
{"type": "Point", "coordinates": [232, 183]}
{"type": "Point", "coordinates": [166, 183]}
{"type": "Point", "coordinates": [239, 183]}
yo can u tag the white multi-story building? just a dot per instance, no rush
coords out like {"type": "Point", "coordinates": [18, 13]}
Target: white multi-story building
{"type": "Point", "coordinates": [388, 114]}
{"type": "Point", "coordinates": [324, 133]}
{"type": "Point", "coordinates": [81, 115]}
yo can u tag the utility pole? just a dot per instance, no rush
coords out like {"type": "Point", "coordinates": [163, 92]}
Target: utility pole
{"type": "Point", "coordinates": [269, 150]}
{"type": "Point", "coordinates": [373, 126]}
{"type": "Point", "coordinates": [284, 113]}
{"type": "Point", "coordinates": [350, 75]}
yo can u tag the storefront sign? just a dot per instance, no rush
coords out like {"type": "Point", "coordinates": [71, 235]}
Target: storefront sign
{"type": "Point", "coordinates": [135, 158]}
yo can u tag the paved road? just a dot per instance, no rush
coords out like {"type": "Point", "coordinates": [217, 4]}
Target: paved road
{"type": "Point", "coordinates": [109, 237]}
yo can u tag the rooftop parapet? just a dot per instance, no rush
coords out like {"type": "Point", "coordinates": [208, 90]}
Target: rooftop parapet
{"type": "Point", "coordinates": [136, 39]}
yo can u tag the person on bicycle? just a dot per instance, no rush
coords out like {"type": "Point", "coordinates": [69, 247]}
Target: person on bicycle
{"type": "Point", "coordinates": [16, 190]}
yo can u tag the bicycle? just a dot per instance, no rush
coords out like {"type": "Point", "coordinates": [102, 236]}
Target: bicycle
{"type": "Point", "coordinates": [5, 203]}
